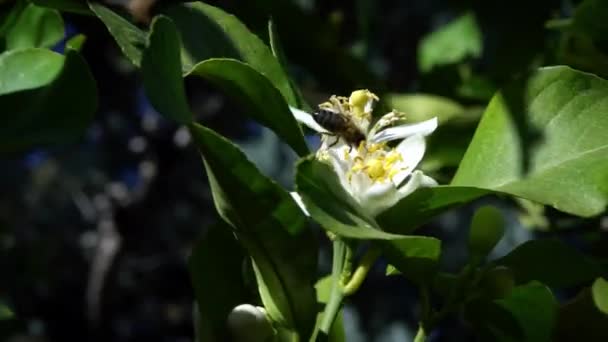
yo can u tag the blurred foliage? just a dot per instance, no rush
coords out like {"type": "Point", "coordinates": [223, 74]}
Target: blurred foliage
{"type": "Point", "coordinates": [107, 206]}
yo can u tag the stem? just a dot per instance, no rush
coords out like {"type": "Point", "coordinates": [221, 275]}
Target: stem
{"type": "Point", "coordinates": [420, 335]}
{"type": "Point", "coordinates": [367, 261]}
{"type": "Point", "coordinates": [337, 296]}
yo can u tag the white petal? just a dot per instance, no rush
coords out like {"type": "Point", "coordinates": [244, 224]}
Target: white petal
{"type": "Point", "coordinates": [423, 128]}
{"type": "Point", "coordinates": [307, 120]}
{"type": "Point", "coordinates": [417, 180]}
{"type": "Point", "coordinates": [412, 150]}
{"type": "Point", "coordinates": [379, 197]}
{"type": "Point", "coordinates": [298, 199]}
{"type": "Point", "coordinates": [341, 166]}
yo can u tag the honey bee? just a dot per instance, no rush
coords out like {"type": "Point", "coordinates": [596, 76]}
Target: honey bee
{"type": "Point", "coordinates": [340, 126]}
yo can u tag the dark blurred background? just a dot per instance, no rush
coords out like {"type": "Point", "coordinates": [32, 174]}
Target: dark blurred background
{"type": "Point", "coordinates": [94, 236]}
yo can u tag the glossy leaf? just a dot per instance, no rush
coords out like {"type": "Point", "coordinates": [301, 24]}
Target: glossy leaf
{"type": "Point", "coordinates": [129, 37]}
{"type": "Point", "coordinates": [35, 27]}
{"type": "Point", "coordinates": [271, 227]}
{"type": "Point", "coordinates": [416, 257]}
{"type": "Point", "coordinates": [74, 6]}
{"type": "Point", "coordinates": [534, 308]}
{"type": "Point", "coordinates": [209, 32]}
{"type": "Point", "coordinates": [215, 267]}
{"type": "Point", "coordinates": [161, 72]}
{"type": "Point", "coordinates": [258, 97]}
{"type": "Point", "coordinates": [487, 228]}
{"type": "Point", "coordinates": [599, 289]}
{"type": "Point", "coordinates": [528, 314]}
{"type": "Point", "coordinates": [450, 44]}
{"type": "Point", "coordinates": [543, 138]}
{"type": "Point", "coordinates": [424, 204]}
{"type": "Point", "coordinates": [551, 262]}
{"type": "Point", "coordinates": [28, 69]}
{"type": "Point", "coordinates": [54, 113]}
{"type": "Point", "coordinates": [420, 107]}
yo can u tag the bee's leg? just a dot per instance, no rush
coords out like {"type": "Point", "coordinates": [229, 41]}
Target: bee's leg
{"type": "Point", "coordinates": [337, 138]}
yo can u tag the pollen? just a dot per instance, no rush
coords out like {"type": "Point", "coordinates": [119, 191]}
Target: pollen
{"type": "Point", "coordinates": [377, 162]}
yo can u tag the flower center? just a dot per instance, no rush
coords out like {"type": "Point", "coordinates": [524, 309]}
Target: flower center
{"type": "Point", "coordinates": [376, 161]}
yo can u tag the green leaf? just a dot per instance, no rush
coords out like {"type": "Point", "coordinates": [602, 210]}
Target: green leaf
{"type": "Point", "coordinates": [208, 32]}
{"type": "Point", "coordinates": [323, 289]}
{"type": "Point", "coordinates": [420, 107]}
{"type": "Point", "coordinates": [129, 38]}
{"type": "Point", "coordinates": [215, 267]}
{"type": "Point", "coordinates": [277, 52]}
{"type": "Point", "coordinates": [53, 113]}
{"type": "Point", "coordinates": [551, 262]}
{"type": "Point", "coordinates": [331, 206]}
{"type": "Point", "coordinates": [271, 227]}
{"type": "Point", "coordinates": [529, 314]}
{"type": "Point", "coordinates": [599, 290]}
{"type": "Point", "coordinates": [161, 72]}
{"type": "Point", "coordinates": [415, 257]}
{"type": "Point", "coordinates": [257, 95]}
{"type": "Point", "coordinates": [35, 27]}
{"type": "Point", "coordinates": [28, 69]}
{"type": "Point", "coordinates": [76, 42]}
{"type": "Point", "coordinates": [73, 6]}
{"type": "Point", "coordinates": [534, 308]}
{"type": "Point", "coordinates": [487, 228]}
{"type": "Point", "coordinates": [424, 204]}
{"type": "Point", "coordinates": [452, 43]}
{"type": "Point", "coordinates": [544, 139]}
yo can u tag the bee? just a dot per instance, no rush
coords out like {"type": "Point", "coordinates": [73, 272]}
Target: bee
{"type": "Point", "coordinates": [340, 126]}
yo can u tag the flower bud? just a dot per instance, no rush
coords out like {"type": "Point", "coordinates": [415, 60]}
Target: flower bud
{"type": "Point", "coordinates": [249, 323]}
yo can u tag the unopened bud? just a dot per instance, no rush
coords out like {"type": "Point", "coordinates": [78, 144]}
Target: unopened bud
{"type": "Point", "coordinates": [249, 323]}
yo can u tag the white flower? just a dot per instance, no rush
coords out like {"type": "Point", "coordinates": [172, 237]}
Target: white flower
{"type": "Point", "coordinates": [373, 173]}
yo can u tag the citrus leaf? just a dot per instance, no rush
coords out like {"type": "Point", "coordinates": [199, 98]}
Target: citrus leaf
{"type": "Point", "coordinates": [551, 262]}
{"type": "Point", "coordinates": [534, 308]}
{"type": "Point", "coordinates": [28, 69]}
{"type": "Point", "coordinates": [55, 112]}
{"type": "Point", "coordinates": [73, 6]}
{"type": "Point", "coordinates": [161, 72]}
{"type": "Point", "coordinates": [259, 98]}
{"type": "Point", "coordinates": [544, 138]}
{"type": "Point", "coordinates": [35, 27]}
{"type": "Point", "coordinates": [452, 43]}
{"type": "Point", "coordinates": [209, 32]}
{"type": "Point", "coordinates": [528, 313]}
{"type": "Point", "coordinates": [416, 257]}
{"type": "Point", "coordinates": [271, 227]}
{"type": "Point", "coordinates": [215, 267]}
{"type": "Point", "coordinates": [599, 289]}
{"type": "Point", "coordinates": [424, 204]}
{"type": "Point", "coordinates": [129, 37]}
